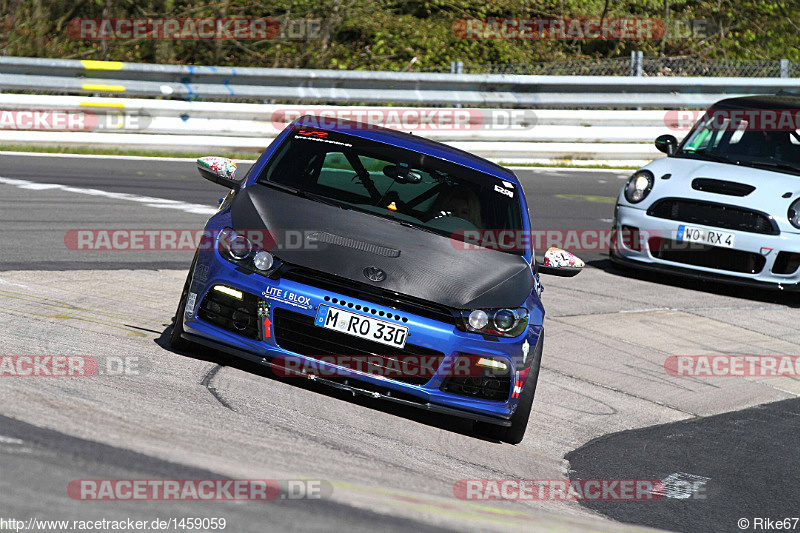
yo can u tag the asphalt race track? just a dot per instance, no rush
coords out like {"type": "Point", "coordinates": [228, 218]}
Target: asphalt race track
{"type": "Point", "coordinates": [605, 408]}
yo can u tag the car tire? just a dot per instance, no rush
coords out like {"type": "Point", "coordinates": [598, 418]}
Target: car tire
{"type": "Point", "coordinates": [176, 342]}
{"type": "Point", "coordinates": [514, 433]}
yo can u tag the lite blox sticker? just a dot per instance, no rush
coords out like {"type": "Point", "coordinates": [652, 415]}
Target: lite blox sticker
{"type": "Point", "coordinates": [287, 297]}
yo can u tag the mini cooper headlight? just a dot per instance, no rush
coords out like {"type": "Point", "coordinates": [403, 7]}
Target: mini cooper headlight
{"type": "Point", "coordinates": [497, 322]}
{"type": "Point", "coordinates": [639, 186]}
{"type": "Point", "coordinates": [794, 214]}
{"type": "Point", "coordinates": [239, 250]}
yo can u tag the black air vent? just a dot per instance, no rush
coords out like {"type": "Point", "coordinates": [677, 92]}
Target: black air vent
{"type": "Point", "coordinates": [731, 188]}
{"type": "Point", "coordinates": [338, 240]}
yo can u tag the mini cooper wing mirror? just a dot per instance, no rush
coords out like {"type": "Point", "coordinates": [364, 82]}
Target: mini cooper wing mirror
{"type": "Point", "coordinates": [558, 262]}
{"type": "Point", "coordinates": [219, 170]}
{"type": "Point", "coordinates": [667, 143]}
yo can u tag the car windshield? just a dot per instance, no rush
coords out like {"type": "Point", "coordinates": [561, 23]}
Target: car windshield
{"type": "Point", "coordinates": [746, 137]}
{"type": "Point", "coordinates": [383, 180]}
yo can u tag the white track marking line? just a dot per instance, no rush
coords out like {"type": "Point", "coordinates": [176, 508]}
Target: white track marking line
{"type": "Point", "coordinates": [122, 157]}
{"type": "Point", "coordinates": [147, 200]}
{"type": "Point", "coordinates": [4, 282]}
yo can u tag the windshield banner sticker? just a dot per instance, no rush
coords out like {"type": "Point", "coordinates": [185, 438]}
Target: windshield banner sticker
{"type": "Point", "coordinates": [506, 192]}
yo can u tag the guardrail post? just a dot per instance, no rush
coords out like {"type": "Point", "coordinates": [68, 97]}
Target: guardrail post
{"type": "Point", "coordinates": [784, 68]}
{"type": "Point", "coordinates": [636, 63]}
{"type": "Point", "coordinates": [456, 67]}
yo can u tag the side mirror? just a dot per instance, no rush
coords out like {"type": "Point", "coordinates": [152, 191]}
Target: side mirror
{"type": "Point", "coordinates": [558, 262]}
{"type": "Point", "coordinates": [219, 170]}
{"type": "Point", "coordinates": [667, 144]}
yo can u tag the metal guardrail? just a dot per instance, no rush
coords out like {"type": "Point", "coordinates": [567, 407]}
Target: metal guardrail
{"type": "Point", "coordinates": [368, 87]}
{"type": "Point", "coordinates": [544, 136]}
{"type": "Point", "coordinates": [204, 108]}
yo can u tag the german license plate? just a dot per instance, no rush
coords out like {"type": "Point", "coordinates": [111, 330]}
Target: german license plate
{"type": "Point", "coordinates": [362, 326]}
{"type": "Point", "coordinates": [706, 236]}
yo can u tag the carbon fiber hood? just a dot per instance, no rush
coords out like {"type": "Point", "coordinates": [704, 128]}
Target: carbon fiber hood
{"type": "Point", "coordinates": [417, 263]}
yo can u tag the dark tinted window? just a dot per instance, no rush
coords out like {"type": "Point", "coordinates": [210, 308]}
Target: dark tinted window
{"type": "Point", "coordinates": [393, 182]}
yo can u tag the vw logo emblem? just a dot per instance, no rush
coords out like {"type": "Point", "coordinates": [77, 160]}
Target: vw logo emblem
{"type": "Point", "coordinates": [374, 274]}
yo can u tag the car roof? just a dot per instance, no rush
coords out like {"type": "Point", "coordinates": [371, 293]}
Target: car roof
{"type": "Point", "coordinates": [409, 142]}
{"type": "Point", "coordinates": [778, 101]}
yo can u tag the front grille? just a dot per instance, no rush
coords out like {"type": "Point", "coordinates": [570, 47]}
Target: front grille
{"type": "Point", "coordinates": [714, 215]}
{"type": "Point", "coordinates": [297, 333]}
{"type": "Point", "coordinates": [340, 285]}
{"type": "Point", "coordinates": [706, 256]}
{"type": "Point", "coordinates": [232, 314]}
{"type": "Point", "coordinates": [731, 188]}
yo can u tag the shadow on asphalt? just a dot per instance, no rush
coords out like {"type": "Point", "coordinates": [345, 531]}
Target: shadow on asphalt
{"type": "Point", "coordinates": [453, 424]}
{"type": "Point", "coordinates": [789, 299]}
{"type": "Point", "coordinates": [716, 469]}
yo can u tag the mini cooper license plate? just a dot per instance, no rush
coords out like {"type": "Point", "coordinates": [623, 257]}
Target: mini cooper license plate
{"type": "Point", "coordinates": [365, 327]}
{"type": "Point", "coordinates": [706, 236]}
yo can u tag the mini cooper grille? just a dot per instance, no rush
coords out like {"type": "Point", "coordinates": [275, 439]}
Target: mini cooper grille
{"type": "Point", "coordinates": [714, 215]}
{"type": "Point", "coordinates": [369, 293]}
{"type": "Point", "coordinates": [297, 333]}
{"type": "Point", "coordinates": [706, 256]}
{"type": "Point", "coordinates": [237, 316]}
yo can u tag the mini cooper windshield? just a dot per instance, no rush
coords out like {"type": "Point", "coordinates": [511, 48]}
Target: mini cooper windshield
{"type": "Point", "coordinates": [391, 182]}
{"type": "Point", "coordinates": [724, 136]}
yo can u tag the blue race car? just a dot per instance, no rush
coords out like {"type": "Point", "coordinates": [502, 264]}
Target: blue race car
{"type": "Point", "coordinates": [377, 262]}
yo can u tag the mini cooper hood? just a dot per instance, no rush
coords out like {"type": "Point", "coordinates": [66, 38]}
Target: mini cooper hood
{"type": "Point", "coordinates": [417, 263]}
{"type": "Point", "coordinates": [772, 182]}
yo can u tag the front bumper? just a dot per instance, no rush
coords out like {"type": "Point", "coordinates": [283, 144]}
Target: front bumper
{"type": "Point", "coordinates": [426, 333]}
{"type": "Point", "coordinates": [759, 245]}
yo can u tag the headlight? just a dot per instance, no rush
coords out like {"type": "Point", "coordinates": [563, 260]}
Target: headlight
{"type": "Point", "coordinates": [237, 249]}
{"type": "Point", "coordinates": [794, 214]}
{"type": "Point", "coordinates": [505, 319]}
{"type": "Point", "coordinates": [498, 322]}
{"type": "Point", "coordinates": [639, 186]}
{"type": "Point", "coordinates": [263, 260]}
{"type": "Point", "coordinates": [478, 319]}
